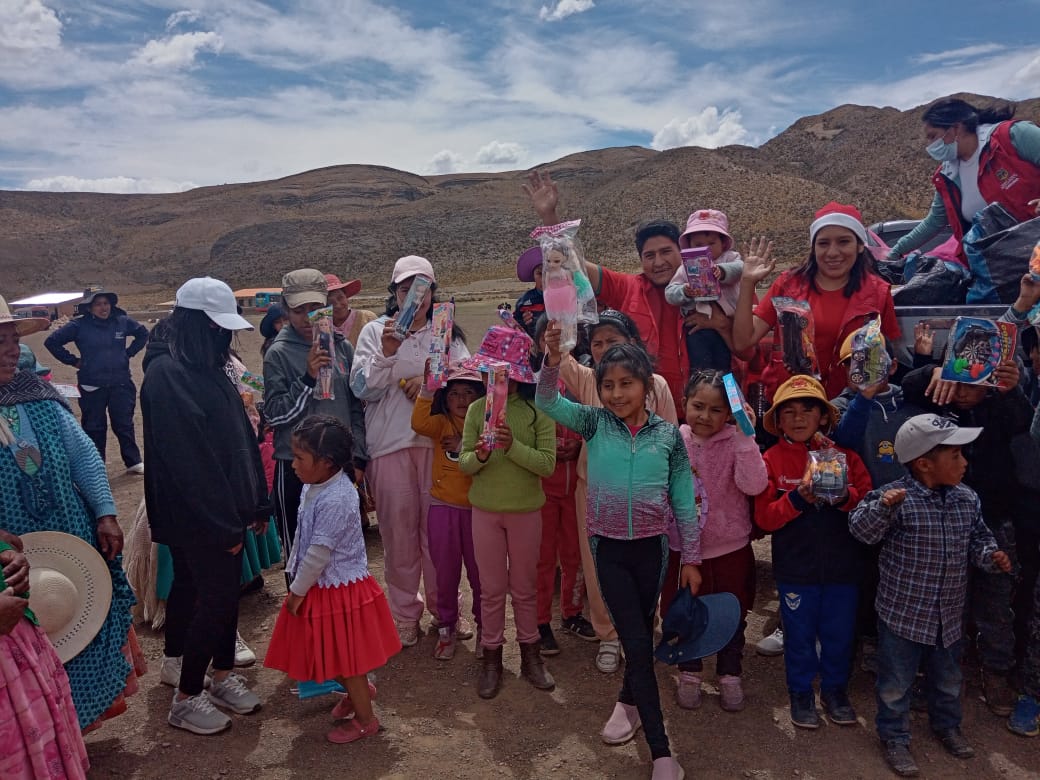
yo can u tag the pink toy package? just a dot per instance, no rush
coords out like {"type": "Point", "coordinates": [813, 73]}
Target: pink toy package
{"type": "Point", "coordinates": [495, 401]}
{"type": "Point", "coordinates": [700, 273]}
{"type": "Point", "coordinates": [440, 344]}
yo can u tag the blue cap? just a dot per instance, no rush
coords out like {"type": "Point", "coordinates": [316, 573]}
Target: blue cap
{"type": "Point", "coordinates": [697, 626]}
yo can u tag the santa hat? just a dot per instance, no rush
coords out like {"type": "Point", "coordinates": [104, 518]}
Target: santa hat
{"type": "Point", "coordinates": [839, 214]}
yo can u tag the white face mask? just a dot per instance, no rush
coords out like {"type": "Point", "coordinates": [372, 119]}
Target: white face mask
{"type": "Point", "coordinates": [940, 151]}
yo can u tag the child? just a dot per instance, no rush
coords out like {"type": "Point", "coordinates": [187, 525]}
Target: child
{"type": "Point", "coordinates": [507, 499]}
{"type": "Point", "coordinates": [816, 562]}
{"type": "Point", "coordinates": [441, 417]}
{"type": "Point", "coordinates": [531, 305]}
{"type": "Point", "coordinates": [639, 475]}
{"type": "Point", "coordinates": [730, 468]}
{"type": "Point", "coordinates": [335, 623]}
{"type": "Point", "coordinates": [929, 526]}
{"type": "Point", "coordinates": [708, 228]}
{"type": "Point", "coordinates": [612, 329]}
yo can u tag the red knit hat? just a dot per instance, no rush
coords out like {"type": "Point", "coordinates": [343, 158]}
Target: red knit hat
{"type": "Point", "coordinates": [842, 215]}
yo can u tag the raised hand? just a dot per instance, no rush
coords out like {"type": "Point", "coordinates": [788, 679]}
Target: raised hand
{"type": "Point", "coordinates": [758, 259]}
{"type": "Point", "coordinates": [544, 195]}
{"type": "Point", "coordinates": [924, 339]}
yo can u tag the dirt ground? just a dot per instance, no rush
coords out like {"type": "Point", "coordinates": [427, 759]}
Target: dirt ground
{"type": "Point", "coordinates": [435, 726]}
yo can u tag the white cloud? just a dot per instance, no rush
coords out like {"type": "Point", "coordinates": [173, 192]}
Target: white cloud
{"type": "Point", "coordinates": [177, 51]}
{"type": "Point", "coordinates": [119, 184]}
{"type": "Point", "coordinates": [26, 25]}
{"type": "Point", "coordinates": [182, 17]}
{"type": "Point", "coordinates": [708, 129]}
{"type": "Point", "coordinates": [445, 161]}
{"type": "Point", "coordinates": [564, 8]}
{"type": "Point", "coordinates": [958, 55]}
{"type": "Point", "coordinates": [500, 153]}
{"type": "Point", "coordinates": [1029, 74]}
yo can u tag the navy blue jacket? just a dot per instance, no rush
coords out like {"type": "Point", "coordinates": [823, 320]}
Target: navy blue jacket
{"type": "Point", "coordinates": [103, 355]}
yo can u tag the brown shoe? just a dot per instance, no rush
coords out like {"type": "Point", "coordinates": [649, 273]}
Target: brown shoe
{"type": "Point", "coordinates": [490, 673]}
{"type": "Point", "coordinates": [532, 667]}
{"type": "Point", "coordinates": [999, 697]}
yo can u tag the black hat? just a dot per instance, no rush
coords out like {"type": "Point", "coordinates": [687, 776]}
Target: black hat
{"type": "Point", "coordinates": [90, 295]}
{"type": "Point", "coordinates": [696, 627]}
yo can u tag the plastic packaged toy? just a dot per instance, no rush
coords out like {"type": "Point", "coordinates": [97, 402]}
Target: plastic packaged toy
{"type": "Point", "coordinates": [870, 363]}
{"type": "Point", "coordinates": [737, 404]}
{"type": "Point", "coordinates": [827, 474]}
{"type": "Point", "coordinates": [440, 344]}
{"type": "Point", "coordinates": [974, 349]}
{"type": "Point", "coordinates": [495, 401]}
{"type": "Point", "coordinates": [797, 336]}
{"type": "Point", "coordinates": [406, 316]}
{"type": "Point", "coordinates": [700, 274]}
{"type": "Point", "coordinates": [1034, 263]}
{"type": "Point", "coordinates": [321, 326]}
{"type": "Point", "coordinates": [566, 289]}
{"type": "Point", "coordinates": [253, 381]}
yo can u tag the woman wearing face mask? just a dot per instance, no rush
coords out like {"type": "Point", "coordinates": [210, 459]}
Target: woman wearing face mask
{"type": "Point", "coordinates": [984, 157]}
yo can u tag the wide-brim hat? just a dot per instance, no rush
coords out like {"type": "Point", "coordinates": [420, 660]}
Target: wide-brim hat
{"type": "Point", "coordinates": [697, 626]}
{"type": "Point", "coordinates": [70, 589]}
{"type": "Point", "coordinates": [505, 345]}
{"type": "Point", "coordinates": [88, 299]}
{"type": "Point", "coordinates": [707, 221]}
{"type": "Point", "coordinates": [24, 325]}
{"type": "Point", "coordinates": [350, 288]}
{"type": "Point", "coordinates": [798, 386]}
{"type": "Point", "coordinates": [527, 262]}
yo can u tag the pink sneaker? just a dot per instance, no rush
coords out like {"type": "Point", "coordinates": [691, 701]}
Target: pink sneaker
{"type": "Point", "coordinates": [622, 726]}
{"type": "Point", "coordinates": [667, 768]}
{"type": "Point", "coordinates": [344, 708]}
{"type": "Point", "coordinates": [352, 731]}
{"type": "Point", "coordinates": [732, 694]}
{"type": "Point", "coordinates": [445, 649]}
{"type": "Point", "coordinates": [688, 694]}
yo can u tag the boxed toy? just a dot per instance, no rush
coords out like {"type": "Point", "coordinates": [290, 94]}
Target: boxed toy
{"type": "Point", "coordinates": [797, 336]}
{"type": "Point", "coordinates": [700, 274]}
{"type": "Point", "coordinates": [495, 401]}
{"type": "Point", "coordinates": [974, 349]}
{"type": "Point", "coordinates": [870, 363]}
{"type": "Point", "coordinates": [440, 344]}
{"type": "Point", "coordinates": [321, 326]}
{"type": "Point", "coordinates": [737, 404]}
{"type": "Point", "coordinates": [406, 316]}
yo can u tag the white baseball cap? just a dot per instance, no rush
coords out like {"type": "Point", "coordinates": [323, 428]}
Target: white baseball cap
{"type": "Point", "coordinates": [412, 265]}
{"type": "Point", "coordinates": [922, 433]}
{"type": "Point", "coordinates": [216, 299]}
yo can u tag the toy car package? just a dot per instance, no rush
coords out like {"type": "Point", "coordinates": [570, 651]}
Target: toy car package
{"type": "Point", "coordinates": [321, 326]}
{"type": "Point", "coordinates": [794, 319]}
{"type": "Point", "coordinates": [870, 363]}
{"type": "Point", "coordinates": [495, 401]}
{"type": "Point", "coordinates": [700, 274]}
{"type": "Point", "coordinates": [827, 473]}
{"type": "Point", "coordinates": [737, 404]}
{"type": "Point", "coordinates": [440, 344]}
{"type": "Point", "coordinates": [974, 349]}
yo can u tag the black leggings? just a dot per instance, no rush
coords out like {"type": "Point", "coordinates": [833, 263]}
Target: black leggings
{"type": "Point", "coordinates": [630, 574]}
{"type": "Point", "coordinates": [202, 612]}
{"type": "Point", "coordinates": [286, 498]}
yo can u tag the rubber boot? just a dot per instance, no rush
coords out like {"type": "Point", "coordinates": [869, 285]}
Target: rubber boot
{"type": "Point", "coordinates": [532, 667]}
{"type": "Point", "coordinates": [490, 673]}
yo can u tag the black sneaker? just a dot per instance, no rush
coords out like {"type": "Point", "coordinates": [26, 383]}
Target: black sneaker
{"type": "Point", "coordinates": [955, 743]}
{"type": "Point", "coordinates": [548, 640]}
{"type": "Point", "coordinates": [580, 627]}
{"type": "Point", "coordinates": [803, 711]}
{"type": "Point", "coordinates": [897, 756]}
{"type": "Point", "coordinates": [839, 708]}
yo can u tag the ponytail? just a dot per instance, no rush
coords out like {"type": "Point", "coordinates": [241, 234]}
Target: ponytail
{"type": "Point", "coordinates": [950, 111]}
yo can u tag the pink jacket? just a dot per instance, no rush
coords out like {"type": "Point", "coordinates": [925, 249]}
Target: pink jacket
{"type": "Point", "coordinates": [731, 469]}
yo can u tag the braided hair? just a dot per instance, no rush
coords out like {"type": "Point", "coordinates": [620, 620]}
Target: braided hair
{"type": "Point", "coordinates": [327, 438]}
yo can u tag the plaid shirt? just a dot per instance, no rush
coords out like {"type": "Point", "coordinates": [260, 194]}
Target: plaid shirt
{"type": "Point", "coordinates": [928, 541]}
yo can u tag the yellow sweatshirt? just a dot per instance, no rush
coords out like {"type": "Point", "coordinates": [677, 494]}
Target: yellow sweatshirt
{"type": "Point", "coordinates": [450, 485]}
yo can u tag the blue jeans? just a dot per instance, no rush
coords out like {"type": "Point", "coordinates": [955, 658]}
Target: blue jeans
{"type": "Point", "coordinates": [818, 612]}
{"type": "Point", "coordinates": [898, 662]}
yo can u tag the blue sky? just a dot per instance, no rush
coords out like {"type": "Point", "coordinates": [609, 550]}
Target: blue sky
{"type": "Point", "coordinates": [158, 96]}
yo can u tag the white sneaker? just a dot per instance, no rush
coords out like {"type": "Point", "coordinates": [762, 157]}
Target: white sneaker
{"type": "Point", "coordinates": [197, 715]}
{"type": "Point", "coordinates": [608, 657]}
{"type": "Point", "coordinates": [137, 468]}
{"type": "Point", "coordinates": [170, 672]}
{"type": "Point", "coordinates": [231, 692]}
{"type": "Point", "coordinates": [243, 655]}
{"type": "Point", "coordinates": [772, 644]}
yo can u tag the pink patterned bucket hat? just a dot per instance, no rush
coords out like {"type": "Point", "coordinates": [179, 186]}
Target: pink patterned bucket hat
{"type": "Point", "coordinates": [707, 221]}
{"type": "Point", "coordinates": [508, 345]}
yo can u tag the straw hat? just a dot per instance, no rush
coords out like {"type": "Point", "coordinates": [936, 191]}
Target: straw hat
{"type": "Point", "coordinates": [70, 589]}
{"type": "Point", "coordinates": [798, 386]}
{"type": "Point", "coordinates": [25, 325]}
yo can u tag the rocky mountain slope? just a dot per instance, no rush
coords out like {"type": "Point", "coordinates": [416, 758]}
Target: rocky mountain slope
{"type": "Point", "coordinates": [356, 220]}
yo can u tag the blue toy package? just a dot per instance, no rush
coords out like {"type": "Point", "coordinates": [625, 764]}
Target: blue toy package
{"type": "Point", "coordinates": [406, 316]}
{"type": "Point", "coordinates": [975, 348]}
{"type": "Point", "coordinates": [737, 404]}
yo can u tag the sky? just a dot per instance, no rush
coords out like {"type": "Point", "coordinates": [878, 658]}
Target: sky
{"type": "Point", "coordinates": [160, 96]}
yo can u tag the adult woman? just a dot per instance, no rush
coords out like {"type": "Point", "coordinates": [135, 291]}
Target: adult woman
{"type": "Point", "coordinates": [41, 738]}
{"type": "Point", "coordinates": [346, 320]}
{"type": "Point", "coordinates": [52, 479]}
{"type": "Point", "coordinates": [100, 334]}
{"type": "Point", "coordinates": [984, 157]}
{"type": "Point", "coordinates": [387, 374]}
{"type": "Point", "coordinates": [838, 281]}
{"type": "Point", "coordinates": [203, 486]}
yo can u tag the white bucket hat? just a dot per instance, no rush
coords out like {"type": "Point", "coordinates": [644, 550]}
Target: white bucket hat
{"type": "Point", "coordinates": [216, 299]}
{"type": "Point", "coordinates": [70, 589]}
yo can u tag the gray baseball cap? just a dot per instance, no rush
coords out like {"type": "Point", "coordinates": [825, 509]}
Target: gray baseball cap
{"type": "Point", "coordinates": [923, 432]}
{"type": "Point", "coordinates": [304, 285]}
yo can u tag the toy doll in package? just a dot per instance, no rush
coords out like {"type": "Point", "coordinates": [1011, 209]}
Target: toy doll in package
{"type": "Point", "coordinates": [495, 401]}
{"type": "Point", "coordinates": [974, 349]}
{"type": "Point", "coordinates": [440, 344]}
{"type": "Point", "coordinates": [700, 274]}
{"type": "Point", "coordinates": [827, 475]}
{"type": "Point", "coordinates": [797, 336]}
{"type": "Point", "coordinates": [870, 363]}
{"type": "Point", "coordinates": [566, 288]}
{"type": "Point", "coordinates": [406, 316]}
{"type": "Point", "coordinates": [321, 326]}
{"type": "Point", "coordinates": [737, 405]}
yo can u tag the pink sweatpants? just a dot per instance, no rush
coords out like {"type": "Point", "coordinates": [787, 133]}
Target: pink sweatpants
{"type": "Point", "coordinates": [560, 542]}
{"type": "Point", "coordinates": [506, 544]}
{"type": "Point", "coordinates": [401, 484]}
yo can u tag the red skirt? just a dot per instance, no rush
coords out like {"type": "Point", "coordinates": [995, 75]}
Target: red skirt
{"type": "Point", "coordinates": [344, 631]}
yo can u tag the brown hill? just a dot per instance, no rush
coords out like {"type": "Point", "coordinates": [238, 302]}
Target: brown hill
{"type": "Point", "coordinates": [356, 219]}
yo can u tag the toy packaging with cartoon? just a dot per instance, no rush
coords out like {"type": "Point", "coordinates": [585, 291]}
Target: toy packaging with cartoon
{"type": "Point", "coordinates": [870, 363]}
{"type": "Point", "coordinates": [827, 474]}
{"type": "Point", "coordinates": [797, 336]}
{"type": "Point", "coordinates": [566, 288]}
{"type": "Point", "coordinates": [737, 404]}
{"type": "Point", "coordinates": [700, 274]}
{"type": "Point", "coordinates": [974, 349]}
{"type": "Point", "coordinates": [495, 401]}
{"type": "Point", "coordinates": [406, 316]}
{"type": "Point", "coordinates": [440, 344]}
{"type": "Point", "coordinates": [321, 327]}
{"type": "Point", "coordinates": [1034, 263]}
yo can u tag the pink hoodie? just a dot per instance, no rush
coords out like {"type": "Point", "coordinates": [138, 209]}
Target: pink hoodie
{"type": "Point", "coordinates": [731, 468]}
